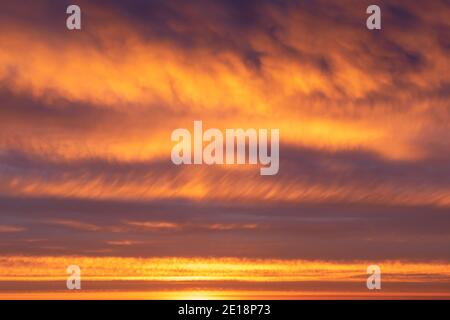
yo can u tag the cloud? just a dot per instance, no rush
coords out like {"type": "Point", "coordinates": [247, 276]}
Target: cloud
{"type": "Point", "coordinates": [153, 225]}
{"type": "Point", "coordinates": [123, 242]}
{"type": "Point", "coordinates": [252, 271]}
{"type": "Point", "coordinates": [86, 118]}
{"type": "Point", "coordinates": [260, 230]}
{"type": "Point", "coordinates": [11, 229]}
{"type": "Point", "coordinates": [305, 175]}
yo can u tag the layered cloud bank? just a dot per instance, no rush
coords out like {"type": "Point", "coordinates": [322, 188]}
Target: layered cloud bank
{"type": "Point", "coordinates": [112, 93]}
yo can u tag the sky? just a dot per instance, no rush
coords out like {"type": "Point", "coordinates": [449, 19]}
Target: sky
{"type": "Point", "coordinates": [86, 177]}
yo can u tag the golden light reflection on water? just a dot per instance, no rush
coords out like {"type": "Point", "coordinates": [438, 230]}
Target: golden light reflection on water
{"type": "Point", "coordinates": [220, 295]}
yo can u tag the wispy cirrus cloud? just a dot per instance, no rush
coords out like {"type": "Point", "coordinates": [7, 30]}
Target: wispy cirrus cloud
{"type": "Point", "coordinates": [11, 229]}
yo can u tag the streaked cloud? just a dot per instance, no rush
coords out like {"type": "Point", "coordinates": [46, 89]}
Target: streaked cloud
{"type": "Point", "coordinates": [8, 229]}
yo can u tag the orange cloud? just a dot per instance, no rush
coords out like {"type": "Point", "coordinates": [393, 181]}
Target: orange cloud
{"type": "Point", "coordinates": [11, 229]}
{"type": "Point", "coordinates": [194, 269]}
{"type": "Point", "coordinates": [312, 107]}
